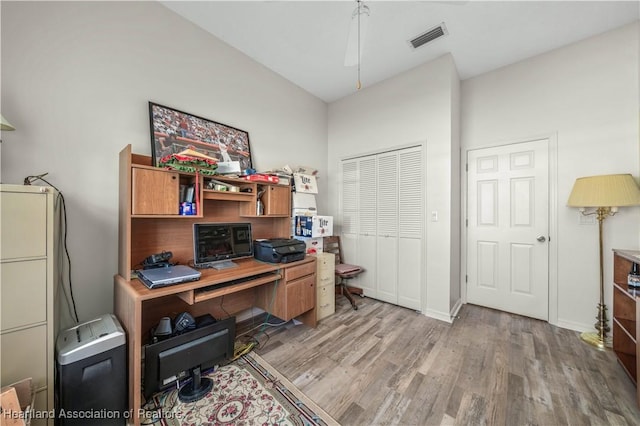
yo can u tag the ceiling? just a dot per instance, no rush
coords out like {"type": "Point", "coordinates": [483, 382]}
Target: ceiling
{"type": "Point", "coordinates": [305, 41]}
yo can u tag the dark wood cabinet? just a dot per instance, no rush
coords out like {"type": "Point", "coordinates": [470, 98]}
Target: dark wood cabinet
{"type": "Point", "coordinates": [626, 311]}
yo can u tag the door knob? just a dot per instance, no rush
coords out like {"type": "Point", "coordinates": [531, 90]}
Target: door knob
{"type": "Point", "coordinates": [541, 238]}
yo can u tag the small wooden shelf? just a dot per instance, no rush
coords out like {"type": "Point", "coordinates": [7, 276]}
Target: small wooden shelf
{"type": "Point", "coordinates": [210, 194]}
{"type": "Point", "coordinates": [165, 216]}
{"type": "Point", "coordinates": [264, 215]}
{"type": "Point", "coordinates": [628, 327]}
{"type": "Point", "coordinates": [628, 361]}
{"type": "Point", "coordinates": [626, 311]}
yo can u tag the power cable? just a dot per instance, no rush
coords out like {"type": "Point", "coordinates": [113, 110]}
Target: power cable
{"type": "Point", "coordinates": [28, 181]}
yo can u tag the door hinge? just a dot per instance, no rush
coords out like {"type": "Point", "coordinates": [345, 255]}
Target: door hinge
{"type": "Point", "coordinates": [466, 167]}
{"type": "Point", "coordinates": [466, 278]}
{"type": "Point", "coordinates": [466, 223]}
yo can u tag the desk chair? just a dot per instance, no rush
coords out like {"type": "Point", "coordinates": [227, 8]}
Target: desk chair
{"type": "Point", "coordinates": [343, 271]}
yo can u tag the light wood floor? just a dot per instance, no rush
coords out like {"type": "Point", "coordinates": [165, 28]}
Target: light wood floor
{"type": "Point", "coordinates": [384, 365]}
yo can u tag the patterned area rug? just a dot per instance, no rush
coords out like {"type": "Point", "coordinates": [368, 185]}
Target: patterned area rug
{"type": "Point", "coordinates": [247, 392]}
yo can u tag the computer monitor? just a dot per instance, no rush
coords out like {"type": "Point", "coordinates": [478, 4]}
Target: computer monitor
{"type": "Point", "coordinates": [192, 352]}
{"type": "Point", "coordinates": [216, 244]}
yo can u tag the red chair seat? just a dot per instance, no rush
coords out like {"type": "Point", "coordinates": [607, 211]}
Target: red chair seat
{"type": "Point", "coordinates": [345, 269]}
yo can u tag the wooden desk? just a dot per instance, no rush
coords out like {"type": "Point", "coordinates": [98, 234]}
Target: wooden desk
{"type": "Point", "coordinates": [286, 291]}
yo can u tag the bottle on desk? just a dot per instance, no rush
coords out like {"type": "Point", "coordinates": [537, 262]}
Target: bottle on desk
{"type": "Point", "coordinates": [633, 279]}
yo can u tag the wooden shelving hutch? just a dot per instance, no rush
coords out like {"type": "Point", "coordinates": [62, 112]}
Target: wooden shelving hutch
{"type": "Point", "coordinates": [626, 311]}
{"type": "Point", "coordinates": [149, 222]}
{"type": "Point", "coordinates": [149, 219]}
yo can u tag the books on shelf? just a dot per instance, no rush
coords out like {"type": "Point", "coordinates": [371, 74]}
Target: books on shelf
{"type": "Point", "coordinates": [190, 194]}
{"type": "Point", "coordinates": [188, 200]}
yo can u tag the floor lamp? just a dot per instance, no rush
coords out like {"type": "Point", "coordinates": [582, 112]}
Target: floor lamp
{"type": "Point", "coordinates": [5, 125]}
{"type": "Point", "coordinates": [601, 196]}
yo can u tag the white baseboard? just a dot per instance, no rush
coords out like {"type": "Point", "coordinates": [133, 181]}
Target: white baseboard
{"type": "Point", "coordinates": [456, 309]}
{"type": "Point", "coordinates": [575, 326]}
{"type": "Point", "coordinates": [445, 316]}
{"type": "Point", "coordinates": [442, 316]}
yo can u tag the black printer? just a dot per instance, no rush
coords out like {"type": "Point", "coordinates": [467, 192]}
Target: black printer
{"type": "Point", "coordinates": [279, 250]}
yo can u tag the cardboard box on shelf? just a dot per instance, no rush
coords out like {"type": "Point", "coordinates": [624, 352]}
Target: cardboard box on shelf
{"type": "Point", "coordinates": [313, 226]}
{"type": "Point", "coordinates": [305, 183]}
{"type": "Point", "coordinates": [303, 204]}
{"type": "Point", "coordinates": [314, 245]}
{"type": "Point", "coordinates": [17, 401]}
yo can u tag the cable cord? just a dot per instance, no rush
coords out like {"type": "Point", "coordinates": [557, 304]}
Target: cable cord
{"type": "Point", "coordinates": [60, 269]}
{"type": "Point", "coordinates": [222, 307]}
{"type": "Point", "coordinates": [263, 325]}
{"type": "Point", "coordinates": [273, 299]}
{"type": "Point", "coordinates": [28, 181]}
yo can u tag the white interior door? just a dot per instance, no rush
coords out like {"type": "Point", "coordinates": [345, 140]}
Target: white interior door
{"type": "Point", "coordinates": [411, 225]}
{"type": "Point", "coordinates": [358, 212]}
{"type": "Point", "coordinates": [508, 228]}
{"type": "Point", "coordinates": [367, 247]}
{"type": "Point", "coordinates": [387, 226]}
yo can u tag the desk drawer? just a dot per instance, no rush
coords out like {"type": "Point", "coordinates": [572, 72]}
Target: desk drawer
{"type": "Point", "coordinates": [325, 309]}
{"type": "Point", "coordinates": [301, 296]}
{"type": "Point", "coordinates": [326, 281]}
{"type": "Point", "coordinates": [326, 274]}
{"type": "Point", "coordinates": [326, 301]}
{"type": "Point", "coordinates": [23, 294]}
{"type": "Point", "coordinates": [24, 354]}
{"type": "Point", "coordinates": [298, 271]}
{"type": "Point", "coordinates": [325, 294]}
{"type": "Point", "coordinates": [24, 225]}
{"type": "Point", "coordinates": [326, 263]}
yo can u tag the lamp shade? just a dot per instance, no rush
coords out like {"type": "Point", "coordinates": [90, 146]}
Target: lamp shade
{"type": "Point", "coordinates": [605, 191]}
{"type": "Point", "coordinates": [5, 125]}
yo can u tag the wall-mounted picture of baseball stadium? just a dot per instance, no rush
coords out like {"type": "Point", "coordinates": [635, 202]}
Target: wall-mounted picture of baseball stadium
{"type": "Point", "coordinates": [176, 133]}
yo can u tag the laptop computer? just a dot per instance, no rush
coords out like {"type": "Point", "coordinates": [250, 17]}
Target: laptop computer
{"type": "Point", "coordinates": [161, 277]}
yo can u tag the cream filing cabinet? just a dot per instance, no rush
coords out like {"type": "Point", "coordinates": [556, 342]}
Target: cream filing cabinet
{"type": "Point", "coordinates": [26, 289]}
{"type": "Point", "coordinates": [325, 285]}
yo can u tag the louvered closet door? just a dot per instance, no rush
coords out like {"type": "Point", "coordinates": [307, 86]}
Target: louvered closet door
{"type": "Point", "coordinates": [358, 210]}
{"type": "Point", "coordinates": [382, 211]}
{"type": "Point", "coordinates": [410, 212]}
{"type": "Point", "coordinates": [387, 227]}
{"type": "Point", "coordinates": [367, 200]}
{"type": "Point", "coordinates": [349, 208]}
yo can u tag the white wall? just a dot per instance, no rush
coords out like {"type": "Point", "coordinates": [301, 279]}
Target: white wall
{"type": "Point", "coordinates": [587, 95]}
{"type": "Point", "coordinates": [456, 200]}
{"type": "Point", "coordinates": [76, 79]}
{"type": "Point", "coordinates": [415, 106]}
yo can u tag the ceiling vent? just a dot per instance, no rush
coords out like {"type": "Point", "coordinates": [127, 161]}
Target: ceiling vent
{"type": "Point", "coordinates": [429, 36]}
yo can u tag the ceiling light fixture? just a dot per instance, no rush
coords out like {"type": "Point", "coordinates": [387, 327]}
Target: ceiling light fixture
{"type": "Point", "coordinates": [357, 31]}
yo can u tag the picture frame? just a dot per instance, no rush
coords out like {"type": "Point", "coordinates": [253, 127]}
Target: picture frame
{"type": "Point", "coordinates": [174, 131]}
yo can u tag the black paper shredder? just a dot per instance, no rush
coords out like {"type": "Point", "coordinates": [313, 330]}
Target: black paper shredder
{"type": "Point", "coordinates": [91, 374]}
